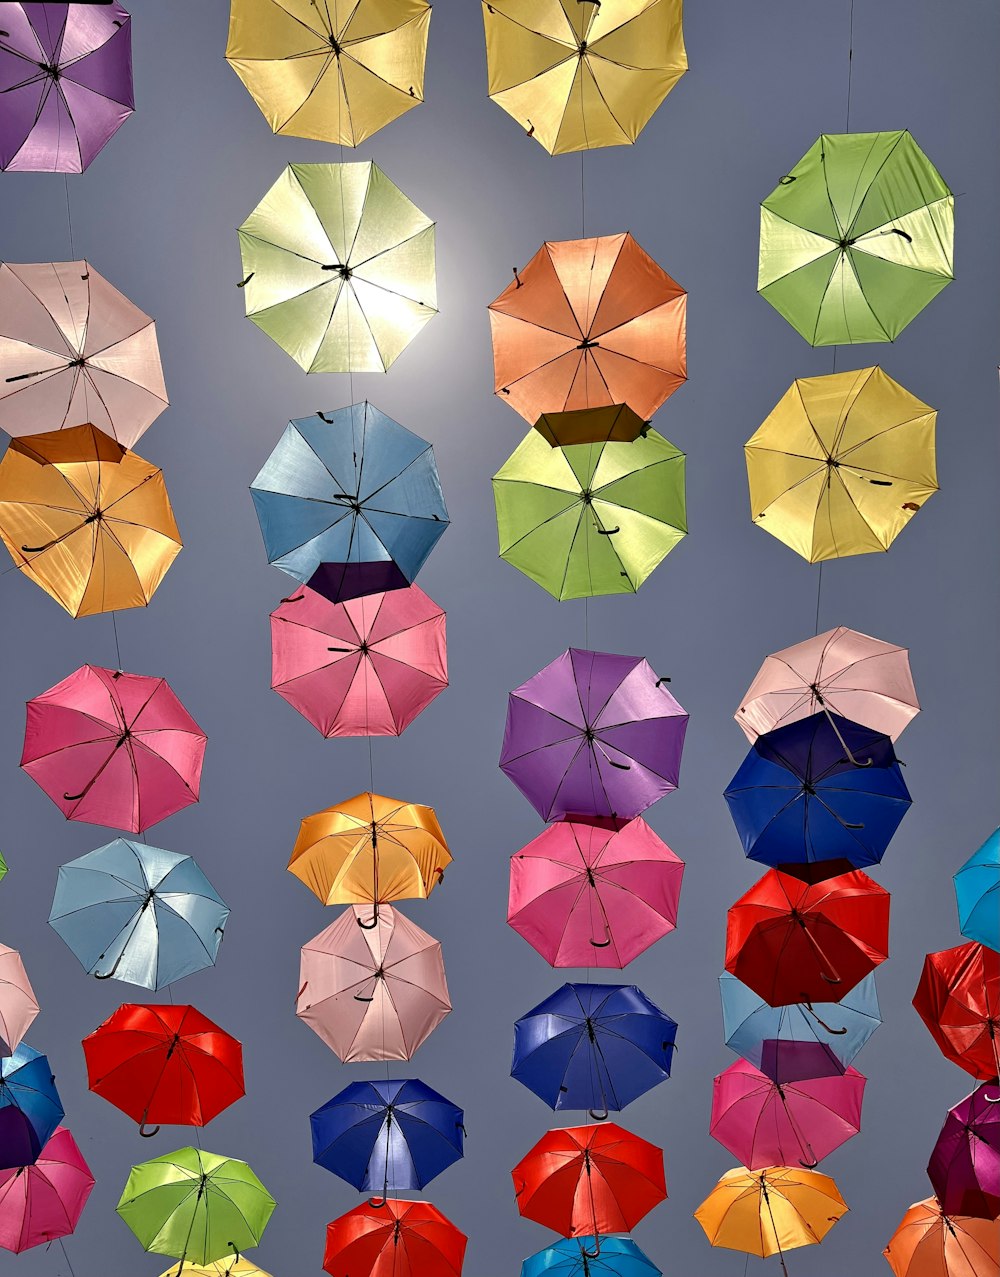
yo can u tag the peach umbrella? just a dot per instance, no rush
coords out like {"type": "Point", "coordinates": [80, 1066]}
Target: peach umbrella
{"type": "Point", "coordinates": [929, 1243]}
{"type": "Point", "coordinates": [18, 1005]}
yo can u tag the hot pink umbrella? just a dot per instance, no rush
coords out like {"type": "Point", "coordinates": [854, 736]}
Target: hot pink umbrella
{"type": "Point", "coordinates": [42, 1202]}
{"type": "Point", "coordinates": [594, 893]}
{"type": "Point", "coordinates": [113, 748]}
{"type": "Point", "coordinates": [18, 1006]}
{"type": "Point", "coordinates": [766, 1123]}
{"type": "Point", "coordinates": [365, 667]}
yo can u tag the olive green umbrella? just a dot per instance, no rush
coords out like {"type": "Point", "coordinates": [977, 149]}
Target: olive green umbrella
{"type": "Point", "coordinates": [592, 518]}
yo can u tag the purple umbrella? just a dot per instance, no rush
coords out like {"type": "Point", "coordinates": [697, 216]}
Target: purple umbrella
{"type": "Point", "coordinates": [593, 735]}
{"type": "Point", "coordinates": [965, 1165]}
{"type": "Point", "coordinates": [65, 83]}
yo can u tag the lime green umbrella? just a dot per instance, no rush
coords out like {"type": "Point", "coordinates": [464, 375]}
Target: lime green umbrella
{"type": "Point", "coordinates": [590, 518]}
{"type": "Point", "coordinates": [857, 238]}
{"type": "Point", "coordinates": [195, 1206]}
{"type": "Point", "coordinates": [3, 866]}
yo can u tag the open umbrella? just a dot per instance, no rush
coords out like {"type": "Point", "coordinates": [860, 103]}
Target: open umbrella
{"type": "Point", "coordinates": [958, 998]}
{"type": "Point", "coordinates": [589, 323]}
{"type": "Point", "coordinates": [3, 868]}
{"type": "Point", "coordinates": [615, 423]}
{"type": "Point", "coordinates": [30, 1108]}
{"type": "Point", "coordinates": [394, 1239]}
{"type": "Point", "coordinates": [18, 1004]}
{"type": "Point", "coordinates": [964, 1169]}
{"type": "Point", "coordinates": [590, 1257]}
{"type": "Point", "coordinates": [977, 891]}
{"type": "Point", "coordinates": [227, 1266]}
{"type": "Point", "coordinates": [44, 1201]}
{"type": "Point", "coordinates": [929, 1243]}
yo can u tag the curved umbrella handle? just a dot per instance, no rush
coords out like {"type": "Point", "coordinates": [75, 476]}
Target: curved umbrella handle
{"type": "Point", "coordinates": [293, 598]}
{"type": "Point", "coordinates": [836, 1032]}
{"type": "Point", "coordinates": [592, 1254]}
{"type": "Point", "coordinates": [369, 926]}
{"type": "Point", "coordinates": [359, 998]}
{"type": "Point", "coordinates": [598, 1115]}
{"type": "Point", "coordinates": [601, 944]}
{"type": "Point", "coordinates": [147, 1135]}
{"type": "Point", "coordinates": [808, 1166]}
{"type": "Point", "coordinates": [377, 1203]}
{"type": "Point", "coordinates": [844, 745]}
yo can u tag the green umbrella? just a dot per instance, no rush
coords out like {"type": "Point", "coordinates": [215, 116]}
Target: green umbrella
{"type": "Point", "coordinates": [3, 866]}
{"type": "Point", "coordinates": [195, 1206]}
{"type": "Point", "coordinates": [590, 518]}
{"type": "Point", "coordinates": [857, 238]}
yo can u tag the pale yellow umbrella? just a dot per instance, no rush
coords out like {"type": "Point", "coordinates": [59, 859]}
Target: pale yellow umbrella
{"type": "Point", "coordinates": [229, 1266]}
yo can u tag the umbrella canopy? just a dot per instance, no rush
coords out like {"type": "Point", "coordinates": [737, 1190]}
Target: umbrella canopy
{"type": "Point", "coordinates": [964, 1169]}
{"type": "Point", "coordinates": [821, 789]}
{"type": "Point", "coordinates": [138, 913]}
{"type": "Point", "coordinates": [227, 1266]}
{"type": "Point", "coordinates": [168, 1064]}
{"type": "Point", "coordinates": [366, 667]}
{"type": "Point", "coordinates": [593, 734]}
{"type": "Point", "coordinates": [66, 76]}
{"type": "Point", "coordinates": [579, 76]}
{"type": "Point", "coordinates": [594, 893]}
{"type": "Point", "coordinates": [857, 238]}
{"type": "Point", "coordinates": [30, 1108]}
{"type": "Point", "coordinates": [44, 1201]}
{"type": "Point", "coordinates": [326, 72]}
{"type": "Point", "coordinates": [576, 1257]}
{"type": "Point", "coordinates": [977, 892]}
{"type": "Point", "coordinates": [372, 993]}
{"type": "Point", "coordinates": [3, 868]}
{"type": "Point", "coordinates": [929, 1243]}
{"type": "Point", "coordinates": [767, 1123]}
{"type": "Point", "coordinates": [338, 267]}
{"type": "Point", "coordinates": [18, 1004]}
{"type": "Point", "coordinates": [75, 351]}
{"type": "Point", "coordinates": [840, 671]}
{"type": "Point", "coordinates": [616, 423]}
{"type": "Point", "coordinates": [590, 519]}
{"type": "Point", "coordinates": [394, 1239]}
{"type": "Point", "coordinates": [86, 520]}
{"type": "Point", "coordinates": [958, 998]}
{"type": "Point", "coordinates": [589, 323]}
{"type": "Point", "coordinates": [195, 1204]}
{"type": "Point", "coordinates": [387, 1136]}
{"type": "Point", "coordinates": [350, 503]}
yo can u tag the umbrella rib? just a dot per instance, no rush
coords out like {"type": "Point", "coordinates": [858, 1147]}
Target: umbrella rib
{"type": "Point", "coordinates": [389, 248]}
{"type": "Point", "coordinates": [874, 178]}
{"type": "Point", "coordinates": [328, 59]}
{"type": "Point", "coordinates": [312, 30]}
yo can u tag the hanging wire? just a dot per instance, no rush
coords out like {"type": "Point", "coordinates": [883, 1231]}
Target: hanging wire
{"type": "Point", "coordinates": [850, 65]}
{"type": "Point", "coordinates": [69, 1262]}
{"type": "Point", "coordinates": [118, 650]}
{"type": "Point", "coordinates": [69, 220]}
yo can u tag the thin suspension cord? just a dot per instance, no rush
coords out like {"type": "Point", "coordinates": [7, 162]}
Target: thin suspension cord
{"type": "Point", "coordinates": [69, 220]}
{"type": "Point", "coordinates": [819, 595]}
{"type": "Point", "coordinates": [69, 1263]}
{"type": "Point", "coordinates": [583, 197]}
{"type": "Point", "coordinates": [850, 65]}
{"type": "Point", "coordinates": [118, 650]}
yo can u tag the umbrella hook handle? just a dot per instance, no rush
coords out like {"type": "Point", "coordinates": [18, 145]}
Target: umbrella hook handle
{"type": "Point", "coordinates": [823, 1023]}
{"type": "Point", "coordinates": [601, 944]}
{"type": "Point", "coordinates": [808, 1166]}
{"type": "Point", "coordinates": [359, 998]}
{"type": "Point", "coordinates": [369, 926]}
{"type": "Point", "coordinates": [377, 1203]}
{"type": "Point", "coordinates": [596, 1252]}
{"type": "Point", "coordinates": [598, 1115]}
{"type": "Point", "coordinates": [844, 745]}
{"type": "Point", "coordinates": [148, 1135]}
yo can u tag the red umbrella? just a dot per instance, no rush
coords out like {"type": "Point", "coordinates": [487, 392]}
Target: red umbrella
{"type": "Point", "coordinates": [794, 941]}
{"type": "Point", "coordinates": [958, 998]}
{"type": "Point", "coordinates": [394, 1239]}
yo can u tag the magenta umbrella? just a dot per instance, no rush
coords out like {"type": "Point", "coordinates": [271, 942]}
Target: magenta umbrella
{"type": "Point", "coordinates": [595, 735]}
{"type": "Point", "coordinates": [42, 1202]}
{"type": "Point", "coordinates": [965, 1164]}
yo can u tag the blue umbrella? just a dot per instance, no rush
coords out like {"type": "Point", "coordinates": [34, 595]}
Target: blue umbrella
{"type": "Point", "coordinates": [138, 913]}
{"type": "Point", "coordinates": [30, 1108]}
{"type": "Point", "coordinates": [593, 1046]}
{"type": "Point", "coordinates": [386, 1136]}
{"type": "Point", "coordinates": [350, 503]}
{"type": "Point", "coordinates": [977, 890]}
{"type": "Point", "coordinates": [590, 1257]}
{"type": "Point", "coordinates": [822, 788]}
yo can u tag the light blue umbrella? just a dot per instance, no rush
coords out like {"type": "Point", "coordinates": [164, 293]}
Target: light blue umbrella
{"type": "Point", "coordinates": [584, 1257]}
{"type": "Point", "coordinates": [977, 890]}
{"type": "Point", "coordinates": [138, 913]}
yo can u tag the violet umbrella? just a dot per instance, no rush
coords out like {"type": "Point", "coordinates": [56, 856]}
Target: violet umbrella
{"type": "Point", "coordinates": [44, 1201]}
{"type": "Point", "coordinates": [964, 1169]}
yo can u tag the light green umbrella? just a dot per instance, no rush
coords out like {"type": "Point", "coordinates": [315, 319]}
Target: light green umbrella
{"type": "Point", "coordinates": [590, 518]}
{"type": "Point", "coordinates": [857, 238]}
{"type": "Point", "coordinates": [3, 867]}
{"type": "Point", "coordinates": [195, 1205]}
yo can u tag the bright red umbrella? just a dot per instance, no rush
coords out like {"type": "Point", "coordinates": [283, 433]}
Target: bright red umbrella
{"type": "Point", "coordinates": [394, 1239]}
{"type": "Point", "coordinates": [958, 998]}
{"type": "Point", "coordinates": [42, 1202]}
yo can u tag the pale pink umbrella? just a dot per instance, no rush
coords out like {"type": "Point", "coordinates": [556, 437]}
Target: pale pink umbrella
{"type": "Point", "coordinates": [18, 1005]}
{"type": "Point", "coordinates": [372, 993]}
{"type": "Point", "coordinates": [364, 667]}
{"type": "Point", "coordinates": [43, 1202]}
{"type": "Point", "coordinates": [840, 672]}
{"type": "Point", "coordinates": [74, 351]}
{"type": "Point", "coordinates": [113, 748]}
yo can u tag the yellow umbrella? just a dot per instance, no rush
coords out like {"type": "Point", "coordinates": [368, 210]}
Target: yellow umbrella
{"type": "Point", "coordinates": [336, 71]}
{"type": "Point", "coordinates": [842, 464]}
{"type": "Point", "coordinates": [229, 1266]}
{"type": "Point", "coordinates": [579, 74]}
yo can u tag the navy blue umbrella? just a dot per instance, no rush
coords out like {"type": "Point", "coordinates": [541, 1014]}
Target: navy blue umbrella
{"type": "Point", "coordinates": [30, 1108]}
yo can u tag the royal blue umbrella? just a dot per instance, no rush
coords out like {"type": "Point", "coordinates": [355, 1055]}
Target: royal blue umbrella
{"type": "Point", "coordinates": [593, 1046]}
{"type": "Point", "coordinates": [30, 1108]}
{"type": "Point", "coordinates": [138, 913]}
{"type": "Point", "coordinates": [350, 503]}
{"type": "Point", "coordinates": [977, 890]}
{"type": "Point", "coordinates": [384, 1137]}
{"type": "Point", "coordinates": [822, 788]}
{"type": "Point", "coordinates": [590, 1257]}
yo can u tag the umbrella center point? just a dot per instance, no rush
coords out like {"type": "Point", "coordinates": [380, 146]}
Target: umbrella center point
{"type": "Point", "coordinates": [586, 496]}
{"type": "Point", "coordinates": [336, 46]}
{"type": "Point", "coordinates": [588, 343]}
{"type": "Point", "coordinates": [582, 50]}
{"type": "Point", "coordinates": [363, 647]}
{"type": "Point", "coordinates": [808, 788]}
{"type": "Point", "coordinates": [588, 734]}
{"type": "Point", "coordinates": [50, 68]}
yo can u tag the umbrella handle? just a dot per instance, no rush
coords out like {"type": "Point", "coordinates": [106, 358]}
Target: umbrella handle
{"type": "Point", "coordinates": [601, 944]}
{"type": "Point", "coordinates": [294, 598]}
{"type": "Point", "coordinates": [808, 1166]}
{"type": "Point", "coordinates": [598, 1116]}
{"type": "Point", "coordinates": [596, 1252]}
{"type": "Point", "coordinates": [837, 1032]}
{"type": "Point", "coordinates": [243, 282]}
{"type": "Point", "coordinates": [147, 1135]}
{"type": "Point", "coordinates": [359, 998]}
{"type": "Point", "coordinates": [369, 926]}
{"type": "Point", "coordinates": [377, 1203]}
{"type": "Point", "coordinates": [846, 748]}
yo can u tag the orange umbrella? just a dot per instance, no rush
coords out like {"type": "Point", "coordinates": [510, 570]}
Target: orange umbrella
{"type": "Point", "coordinates": [929, 1243]}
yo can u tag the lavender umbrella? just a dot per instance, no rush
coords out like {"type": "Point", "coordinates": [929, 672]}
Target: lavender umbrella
{"type": "Point", "coordinates": [65, 83]}
{"type": "Point", "coordinates": [593, 734]}
{"type": "Point", "coordinates": [965, 1165]}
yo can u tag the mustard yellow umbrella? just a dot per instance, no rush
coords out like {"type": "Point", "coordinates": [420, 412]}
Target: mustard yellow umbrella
{"type": "Point", "coordinates": [579, 74]}
{"type": "Point", "coordinates": [229, 1266]}
{"type": "Point", "coordinates": [842, 464]}
{"type": "Point", "coordinates": [337, 71]}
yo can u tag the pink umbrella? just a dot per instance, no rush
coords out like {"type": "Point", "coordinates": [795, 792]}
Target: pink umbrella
{"type": "Point", "coordinates": [594, 893]}
{"type": "Point", "coordinates": [113, 748]}
{"type": "Point", "coordinates": [42, 1202]}
{"type": "Point", "coordinates": [364, 667]}
{"type": "Point", "coordinates": [372, 993]}
{"type": "Point", "coordinates": [18, 1006]}
{"type": "Point", "coordinates": [766, 1123]}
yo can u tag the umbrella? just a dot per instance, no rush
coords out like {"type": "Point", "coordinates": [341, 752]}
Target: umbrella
{"type": "Point", "coordinates": [386, 1136]}
{"type": "Point", "coordinates": [372, 993]}
{"type": "Point", "coordinates": [30, 1108]}
{"type": "Point", "coordinates": [578, 76]}
{"type": "Point", "coordinates": [964, 1169]}
{"type": "Point", "coordinates": [590, 519]}
{"type": "Point", "coordinates": [593, 734]}
{"type": "Point", "coordinates": [839, 672]}
{"type": "Point", "coordinates": [66, 76]}
{"type": "Point", "coordinates": [44, 1201]}
{"type": "Point", "coordinates": [589, 323]}
{"type": "Point", "coordinates": [86, 520]}
{"type": "Point", "coordinates": [615, 423]}
{"type": "Point", "coordinates": [138, 913]}
{"type": "Point", "coordinates": [194, 1204]}
{"type": "Point", "coordinates": [321, 72]}
{"type": "Point", "coordinates": [791, 941]}
{"type": "Point", "coordinates": [767, 1123]}
{"type": "Point", "coordinates": [842, 464]}
{"type": "Point", "coordinates": [929, 1243]}
{"type": "Point", "coordinates": [576, 1257]}
{"type": "Point", "coordinates": [350, 503]}
{"type": "Point", "coordinates": [821, 789]}
{"type": "Point", "coordinates": [18, 1004]}
{"type": "Point", "coordinates": [593, 1046]}
{"type": "Point", "coordinates": [366, 667]}
{"type": "Point", "coordinates": [856, 239]}
{"type": "Point", "coordinates": [75, 351]}
{"type": "Point", "coordinates": [168, 1064]}
{"type": "Point", "coordinates": [227, 1266]}
{"type": "Point", "coordinates": [958, 998]}
{"type": "Point", "coordinates": [394, 1239]}
{"type": "Point", "coordinates": [338, 267]}
{"type": "Point", "coordinates": [977, 891]}
{"type": "Point", "coordinates": [3, 867]}
{"type": "Point", "coordinates": [594, 893]}
{"type": "Point", "coordinates": [807, 1040]}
